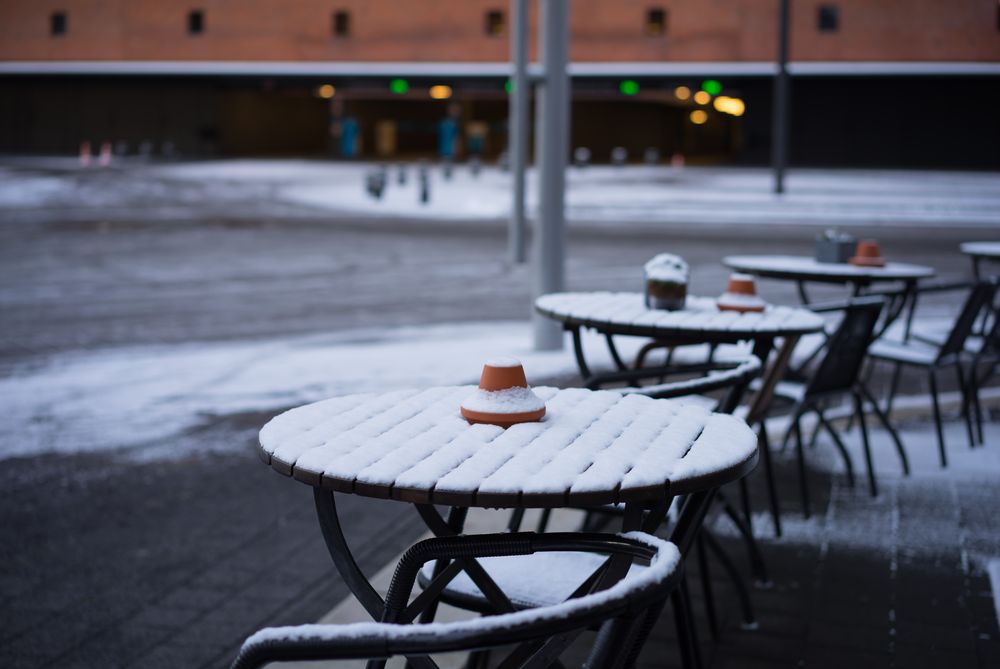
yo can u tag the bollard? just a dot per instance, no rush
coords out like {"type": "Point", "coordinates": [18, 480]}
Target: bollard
{"type": "Point", "coordinates": [105, 158]}
{"type": "Point", "coordinates": [581, 156]}
{"type": "Point", "coordinates": [85, 153]}
{"type": "Point", "coordinates": [401, 175]}
{"type": "Point", "coordinates": [651, 155]}
{"type": "Point", "coordinates": [619, 156]}
{"type": "Point", "coordinates": [425, 185]}
{"type": "Point", "coordinates": [145, 149]}
{"type": "Point", "coordinates": [475, 165]}
{"type": "Point", "coordinates": [503, 162]}
{"type": "Point", "coordinates": [375, 184]}
{"type": "Point", "coordinates": [446, 169]}
{"type": "Point", "coordinates": [677, 161]}
{"type": "Point", "coordinates": [121, 148]}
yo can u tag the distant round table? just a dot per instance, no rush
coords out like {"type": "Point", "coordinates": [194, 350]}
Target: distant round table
{"type": "Point", "coordinates": [979, 252]}
{"type": "Point", "coordinates": [803, 269]}
{"type": "Point", "coordinates": [591, 448]}
{"type": "Point", "coordinates": [700, 322]}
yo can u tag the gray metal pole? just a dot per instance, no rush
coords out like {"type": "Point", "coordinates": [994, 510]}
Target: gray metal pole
{"type": "Point", "coordinates": [552, 140]}
{"type": "Point", "coordinates": [779, 132]}
{"type": "Point", "coordinates": [517, 123]}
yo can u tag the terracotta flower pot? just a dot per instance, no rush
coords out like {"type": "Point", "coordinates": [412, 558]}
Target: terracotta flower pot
{"type": "Point", "coordinates": [867, 254]}
{"type": "Point", "coordinates": [742, 284]}
{"type": "Point", "coordinates": [501, 373]}
{"type": "Point", "coordinates": [741, 295]}
{"type": "Point", "coordinates": [503, 397]}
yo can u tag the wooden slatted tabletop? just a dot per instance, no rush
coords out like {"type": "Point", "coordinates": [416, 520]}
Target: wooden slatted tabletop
{"type": "Point", "coordinates": [701, 320]}
{"type": "Point", "coordinates": [592, 447]}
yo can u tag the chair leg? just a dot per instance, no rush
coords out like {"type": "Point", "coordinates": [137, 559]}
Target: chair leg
{"type": "Point", "coordinates": [966, 403]}
{"type": "Point", "coordinates": [859, 409]}
{"type": "Point", "coordinates": [757, 565]}
{"type": "Point", "coordinates": [742, 593]}
{"type": "Point", "coordinates": [683, 622]}
{"type": "Point", "coordinates": [884, 419]}
{"type": "Point", "coordinates": [974, 395]}
{"type": "Point", "coordinates": [838, 442]}
{"type": "Point", "coordinates": [764, 445]}
{"type": "Point", "coordinates": [893, 387]}
{"type": "Point", "coordinates": [937, 418]}
{"type": "Point", "coordinates": [706, 588]}
{"type": "Point", "coordinates": [745, 503]}
{"type": "Point", "coordinates": [803, 484]}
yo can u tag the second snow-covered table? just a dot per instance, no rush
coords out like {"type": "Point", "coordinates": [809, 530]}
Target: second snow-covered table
{"type": "Point", "coordinates": [700, 322]}
{"type": "Point", "coordinates": [592, 447]}
{"type": "Point", "coordinates": [803, 269]}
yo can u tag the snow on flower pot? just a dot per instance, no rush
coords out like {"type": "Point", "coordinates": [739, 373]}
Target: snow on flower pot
{"type": "Point", "coordinates": [503, 397]}
{"type": "Point", "coordinates": [666, 282]}
{"type": "Point", "coordinates": [741, 295]}
{"type": "Point", "coordinates": [867, 254]}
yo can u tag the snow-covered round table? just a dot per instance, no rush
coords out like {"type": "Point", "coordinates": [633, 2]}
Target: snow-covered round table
{"type": "Point", "coordinates": [803, 269]}
{"type": "Point", "coordinates": [700, 322]}
{"type": "Point", "coordinates": [980, 251]}
{"type": "Point", "coordinates": [591, 448]}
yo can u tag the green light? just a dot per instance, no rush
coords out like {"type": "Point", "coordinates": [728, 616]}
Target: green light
{"type": "Point", "coordinates": [629, 87]}
{"type": "Point", "coordinates": [508, 86]}
{"type": "Point", "coordinates": [711, 86]}
{"type": "Point", "coordinates": [399, 86]}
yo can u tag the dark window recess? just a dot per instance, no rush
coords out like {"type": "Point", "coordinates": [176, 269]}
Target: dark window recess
{"type": "Point", "coordinates": [196, 22]}
{"type": "Point", "coordinates": [57, 23]}
{"type": "Point", "coordinates": [495, 24]}
{"type": "Point", "coordinates": [656, 21]}
{"type": "Point", "coordinates": [998, 17]}
{"type": "Point", "coordinates": [341, 24]}
{"type": "Point", "coordinates": [828, 19]}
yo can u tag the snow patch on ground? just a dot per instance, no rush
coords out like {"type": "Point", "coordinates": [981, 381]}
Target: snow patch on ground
{"type": "Point", "coordinates": [132, 397]}
{"type": "Point", "coordinates": [601, 195]}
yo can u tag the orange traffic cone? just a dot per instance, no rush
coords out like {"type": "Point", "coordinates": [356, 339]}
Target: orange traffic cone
{"type": "Point", "coordinates": [85, 154]}
{"type": "Point", "coordinates": [105, 158]}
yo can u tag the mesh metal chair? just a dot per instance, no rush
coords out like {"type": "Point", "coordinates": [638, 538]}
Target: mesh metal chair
{"type": "Point", "coordinates": [951, 353]}
{"type": "Point", "coordinates": [623, 612]}
{"type": "Point", "coordinates": [837, 375]}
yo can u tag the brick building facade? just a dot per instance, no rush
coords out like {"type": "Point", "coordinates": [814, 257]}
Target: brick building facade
{"type": "Point", "coordinates": [241, 76]}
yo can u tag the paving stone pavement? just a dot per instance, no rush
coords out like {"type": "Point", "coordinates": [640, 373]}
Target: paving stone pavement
{"type": "Point", "coordinates": [111, 563]}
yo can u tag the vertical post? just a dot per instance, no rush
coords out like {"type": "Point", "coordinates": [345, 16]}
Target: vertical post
{"type": "Point", "coordinates": [552, 140]}
{"type": "Point", "coordinates": [517, 126]}
{"type": "Point", "coordinates": [779, 139]}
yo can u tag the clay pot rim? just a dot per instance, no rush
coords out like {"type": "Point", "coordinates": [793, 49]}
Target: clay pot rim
{"type": "Point", "coordinates": [503, 420]}
{"type": "Point", "coordinates": [722, 306]}
{"type": "Point", "coordinates": [867, 261]}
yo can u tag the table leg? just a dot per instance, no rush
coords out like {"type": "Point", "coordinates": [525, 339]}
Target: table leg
{"type": "Point", "coordinates": [619, 363]}
{"type": "Point", "coordinates": [758, 414]}
{"type": "Point", "coordinates": [800, 285]}
{"type": "Point", "coordinates": [581, 361]}
{"type": "Point", "coordinates": [360, 586]}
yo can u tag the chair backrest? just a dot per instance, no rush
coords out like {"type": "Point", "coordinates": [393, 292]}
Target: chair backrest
{"type": "Point", "coordinates": [846, 349]}
{"type": "Point", "coordinates": [979, 297]}
{"type": "Point", "coordinates": [732, 372]}
{"type": "Point", "coordinates": [617, 609]}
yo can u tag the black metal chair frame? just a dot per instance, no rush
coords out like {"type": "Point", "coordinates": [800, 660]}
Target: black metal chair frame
{"type": "Point", "coordinates": [951, 353]}
{"type": "Point", "coordinates": [623, 614]}
{"type": "Point", "coordinates": [838, 374]}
